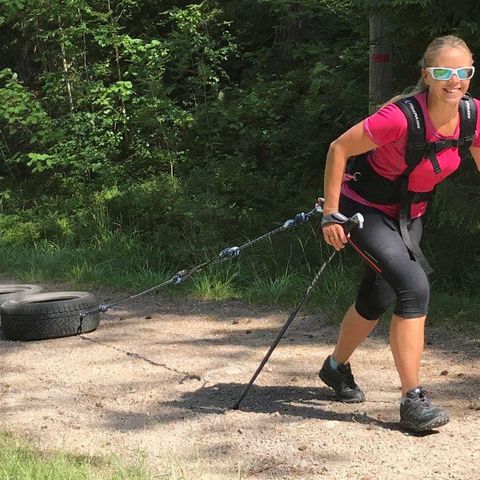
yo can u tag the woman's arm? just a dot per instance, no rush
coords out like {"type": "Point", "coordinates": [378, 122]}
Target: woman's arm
{"type": "Point", "coordinates": [353, 142]}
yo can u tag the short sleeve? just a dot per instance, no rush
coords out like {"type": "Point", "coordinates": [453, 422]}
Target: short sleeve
{"type": "Point", "coordinates": [386, 125]}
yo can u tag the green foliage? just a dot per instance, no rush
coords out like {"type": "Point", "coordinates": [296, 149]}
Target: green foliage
{"type": "Point", "coordinates": [281, 291]}
{"type": "Point", "coordinates": [216, 285]}
{"type": "Point", "coordinates": [191, 125]}
{"type": "Point", "coordinates": [454, 226]}
{"type": "Point", "coordinates": [23, 122]}
{"type": "Point", "coordinates": [10, 9]}
{"type": "Point", "coordinates": [455, 312]}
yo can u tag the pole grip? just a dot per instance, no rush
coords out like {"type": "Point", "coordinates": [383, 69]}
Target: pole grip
{"type": "Point", "coordinates": [353, 222]}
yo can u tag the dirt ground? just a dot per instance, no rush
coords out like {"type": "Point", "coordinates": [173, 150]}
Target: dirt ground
{"type": "Point", "coordinates": [159, 377]}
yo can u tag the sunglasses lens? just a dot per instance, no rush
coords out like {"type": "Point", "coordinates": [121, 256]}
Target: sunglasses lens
{"type": "Point", "coordinates": [442, 73]}
{"type": "Point", "coordinates": [465, 73]}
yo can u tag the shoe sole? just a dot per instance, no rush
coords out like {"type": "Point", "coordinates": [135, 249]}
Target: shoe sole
{"type": "Point", "coordinates": [325, 380]}
{"type": "Point", "coordinates": [425, 427]}
{"type": "Point", "coordinates": [349, 400]}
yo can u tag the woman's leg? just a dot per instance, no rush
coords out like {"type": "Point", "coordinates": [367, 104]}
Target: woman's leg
{"type": "Point", "coordinates": [354, 329]}
{"type": "Point", "coordinates": [404, 278]}
{"type": "Point", "coordinates": [373, 298]}
{"type": "Point", "coordinates": [406, 343]}
{"type": "Point", "coordinates": [336, 372]}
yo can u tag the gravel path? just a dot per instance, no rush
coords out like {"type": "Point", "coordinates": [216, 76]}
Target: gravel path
{"type": "Point", "coordinates": [160, 377]}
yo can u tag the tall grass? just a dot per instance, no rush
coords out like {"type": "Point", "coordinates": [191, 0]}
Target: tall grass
{"type": "Point", "coordinates": [274, 273]}
{"type": "Point", "coordinates": [270, 274]}
{"type": "Point", "coordinates": [121, 262]}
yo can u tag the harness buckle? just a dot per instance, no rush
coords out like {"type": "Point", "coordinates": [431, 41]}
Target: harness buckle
{"type": "Point", "coordinates": [352, 176]}
{"type": "Point", "coordinates": [440, 143]}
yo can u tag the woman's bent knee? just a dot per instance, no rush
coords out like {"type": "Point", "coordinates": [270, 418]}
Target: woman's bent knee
{"type": "Point", "coordinates": [368, 311]}
{"type": "Point", "coordinates": [413, 302]}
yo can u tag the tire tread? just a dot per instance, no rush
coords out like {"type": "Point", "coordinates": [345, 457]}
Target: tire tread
{"type": "Point", "coordinates": [39, 321]}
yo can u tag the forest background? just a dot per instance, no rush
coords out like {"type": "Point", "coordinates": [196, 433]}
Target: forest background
{"type": "Point", "coordinates": [139, 137]}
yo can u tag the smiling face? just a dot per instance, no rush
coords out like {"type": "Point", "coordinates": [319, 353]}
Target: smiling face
{"type": "Point", "coordinates": [448, 91]}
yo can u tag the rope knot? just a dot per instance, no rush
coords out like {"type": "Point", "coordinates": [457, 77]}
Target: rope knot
{"type": "Point", "coordinates": [178, 277]}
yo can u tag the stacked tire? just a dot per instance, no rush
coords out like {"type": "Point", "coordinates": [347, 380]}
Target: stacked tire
{"type": "Point", "coordinates": [12, 292]}
{"type": "Point", "coordinates": [27, 313]}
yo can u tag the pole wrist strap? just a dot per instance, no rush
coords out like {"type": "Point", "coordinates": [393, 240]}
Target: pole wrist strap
{"type": "Point", "coordinates": [335, 217]}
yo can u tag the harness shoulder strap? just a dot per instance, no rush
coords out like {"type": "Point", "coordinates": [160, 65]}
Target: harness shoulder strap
{"type": "Point", "coordinates": [468, 124]}
{"type": "Point", "coordinates": [416, 143]}
{"type": "Point", "coordinates": [416, 148]}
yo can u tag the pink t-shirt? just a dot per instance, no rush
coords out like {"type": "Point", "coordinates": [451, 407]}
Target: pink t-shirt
{"type": "Point", "coordinates": [388, 129]}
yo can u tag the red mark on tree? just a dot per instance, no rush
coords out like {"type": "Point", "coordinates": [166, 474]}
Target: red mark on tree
{"type": "Point", "coordinates": [380, 58]}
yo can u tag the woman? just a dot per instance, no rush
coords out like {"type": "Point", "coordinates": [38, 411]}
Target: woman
{"type": "Point", "coordinates": [447, 67]}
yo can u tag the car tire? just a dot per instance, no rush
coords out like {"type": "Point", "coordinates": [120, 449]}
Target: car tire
{"type": "Point", "coordinates": [13, 291]}
{"type": "Point", "coordinates": [49, 315]}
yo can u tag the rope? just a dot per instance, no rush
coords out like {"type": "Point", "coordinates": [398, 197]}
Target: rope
{"type": "Point", "coordinates": [226, 254]}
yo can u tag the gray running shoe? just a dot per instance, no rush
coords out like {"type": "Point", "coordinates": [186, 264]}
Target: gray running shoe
{"type": "Point", "coordinates": [342, 381]}
{"type": "Point", "coordinates": [418, 414]}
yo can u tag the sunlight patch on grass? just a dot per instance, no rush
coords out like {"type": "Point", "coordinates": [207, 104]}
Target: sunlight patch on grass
{"type": "Point", "coordinates": [21, 460]}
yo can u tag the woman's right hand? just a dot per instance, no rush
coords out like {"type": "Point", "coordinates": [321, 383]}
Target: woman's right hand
{"type": "Point", "coordinates": [334, 235]}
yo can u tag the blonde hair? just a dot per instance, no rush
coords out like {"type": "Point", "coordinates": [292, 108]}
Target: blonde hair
{"type": "Point", "coordinates": [428, 60]}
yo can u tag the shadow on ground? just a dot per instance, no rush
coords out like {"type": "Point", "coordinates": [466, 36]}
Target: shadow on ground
{"type": "Point", "coordinates": [286, 401]}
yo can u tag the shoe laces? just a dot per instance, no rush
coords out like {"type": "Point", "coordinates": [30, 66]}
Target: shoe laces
{"type": "Point", "coordinates": [418, 396]}
{"type": "Point", "coordinates": [347, 375]}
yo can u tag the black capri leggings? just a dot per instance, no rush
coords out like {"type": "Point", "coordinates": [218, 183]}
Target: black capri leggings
{"type": "Point", "coordinates": [401, 278]}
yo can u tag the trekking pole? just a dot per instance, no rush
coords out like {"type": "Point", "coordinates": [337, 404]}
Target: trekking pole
{"type": "Point", "coordinates": [348, 226]}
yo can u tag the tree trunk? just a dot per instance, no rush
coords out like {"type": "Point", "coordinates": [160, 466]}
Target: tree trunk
{"type": "Point", "coordinates": [380, 80]}
{"type": "Point", "coordinates": [65, 63]}
{"type": "Point", "coordinates": [120, 77]}
{"type": "Point", "coordinates": [85, 50]}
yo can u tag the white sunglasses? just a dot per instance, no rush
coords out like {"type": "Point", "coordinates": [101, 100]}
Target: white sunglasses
{"type": "Point", "coordinates": [444, 73]}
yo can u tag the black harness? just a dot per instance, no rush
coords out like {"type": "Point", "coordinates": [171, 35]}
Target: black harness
{"type": "Point", "coordinates": [378, 189]}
